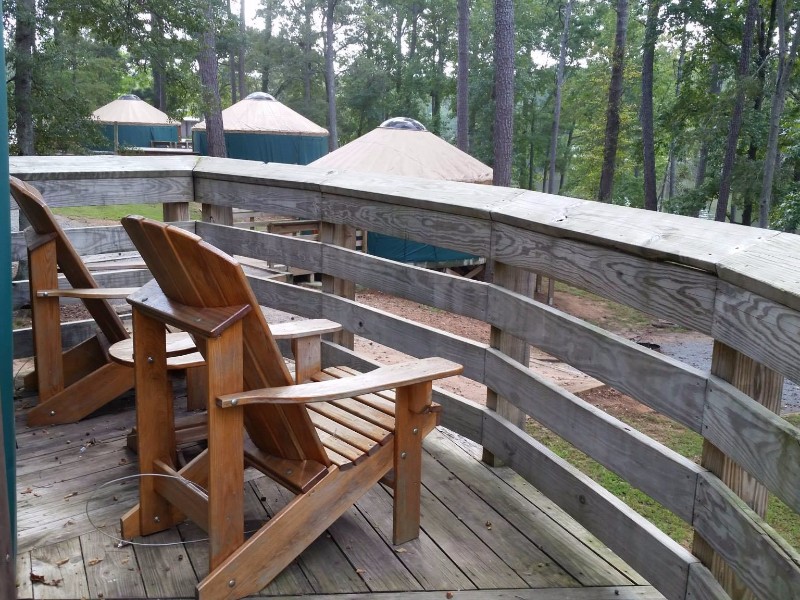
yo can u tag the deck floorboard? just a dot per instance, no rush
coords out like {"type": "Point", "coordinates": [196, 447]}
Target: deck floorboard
{"type": "Point", "coordinates": [486, 533]}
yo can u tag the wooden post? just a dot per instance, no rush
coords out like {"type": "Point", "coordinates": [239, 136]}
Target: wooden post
{"type": "Point", "coordinates": [344, 236]}
{"type": "Point", "coordinates": [523, 282]}
{"type": "Point", "coordinates": [765, 386]}
{"type": "Point", "coordinates": [222, 215]}
{"type": "Point", "coordinates": [7, 559]}
{"type": "Point", "coordinates": [175, 211]}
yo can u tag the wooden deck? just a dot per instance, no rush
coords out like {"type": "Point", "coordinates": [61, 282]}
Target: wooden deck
{"type": "Point", "coordinates": [486, 532]}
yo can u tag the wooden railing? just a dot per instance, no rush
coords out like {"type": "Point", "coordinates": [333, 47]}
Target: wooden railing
{"type": "Point", "coordinates": [739, 285]}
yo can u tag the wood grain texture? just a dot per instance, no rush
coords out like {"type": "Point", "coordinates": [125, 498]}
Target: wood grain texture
{"type": "Point", "coordinates": [680, 294]}
{"type": "Point", "coordinates": [671, 387]}
{"type": "Point", "coordinates": [768, 268]}
{"type": "Point", "coordinates": [758, 556]}
{"type": "Point", "coordinates": [759, 328]}
{"type": "Point", "coordinates": [263, 198]}
{"type": "Point", "coordinates": [653, 468]}
{"type": "Point", "coordinates": [702, 585]}
{"type": "Point", "coordinates": [468, 199]}
{"type": "Point", "coordinates": [110, 191]}
{"type": "Point", "coordinates": [756, 438]}
{"type": "Point", "coordinates": [522, 282]}
{"type": "Point", "coordinates": [111, 571]}
{"type": "Point", "coordinates": [458, 414]}
{"type": "Point", "coordinates": [659, 559]}
{"type": "Point", "coordinates": [61, 565]}
{"type": "Point", "coordinates": [456, 232]}
{"type": "Point", "coordinates": [660, 237]}
{"type": "Point", "coordinates": [277, 249]}
{"type": "Point", "coordinates": [549, 534]}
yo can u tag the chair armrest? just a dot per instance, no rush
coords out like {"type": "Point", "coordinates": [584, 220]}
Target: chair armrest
{"type": "Point", "coordinates": [87, 293]}
{"type": "Point", "coordinates": [383, 378]}
{"type": "Point", "coordinates": [299, 329]}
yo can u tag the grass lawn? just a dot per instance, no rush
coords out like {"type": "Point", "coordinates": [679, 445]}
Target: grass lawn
{"type": "Point", "coordinates": [681, 440]}
{"type": "Point", "coordinates": [115, 212]}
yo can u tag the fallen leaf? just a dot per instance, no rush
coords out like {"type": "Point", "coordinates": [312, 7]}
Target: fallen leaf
{"type": "Point", "coordinates": [93, 562]}
{"type": "Point", "coordinates": [361, 571]}
{"type": "Point", "coordinates": [449, 595]}
{"type": "Point", "coordinates": [399, 550]}
{"type": "Point", "coordinates": [27, 491]}
{"type": "Point", "coordinates": [70, 495]}
{"type": "Point", "coordinates": [36, 578]}
{"type": "Point", "coordinates": [63, 561]}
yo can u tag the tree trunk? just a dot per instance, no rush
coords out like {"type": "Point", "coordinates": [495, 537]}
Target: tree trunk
{"type": "Point", "coordinates": [646, 110]}
{"type": "Point", "coordinates": [241, 44]}
{"type": "Point", "coordinates": [562, 61]}
{"type": "Point", "coordinates": [462, 84]}
{"type": "Point", "coordinates": [736, 115]}
{"type": "Point", "coordinates": [715, 87]}
{"type": "Point", "coordinates": [330, 76]}
{"type": "Point", "coordinates": [212, 107]}
{"type": "Point", "coordinates": [504, 90]}
{"type": "Point", "coordinates": [24, 39]}
{"type": "Point", "coordinates": [614, 101]}
{"type": "Point", "coordinates": [785, 67]}
{"type": "Point", "coordinates": [308, 43]}
{"type": "Point", "coordinates": [157, 63]}
{"type": "Point", "coordinates": [232, 63]}
{"type": "Point", "coordinates": [565, 161]}
{"type": "Point", "coordinates": [678, 83]}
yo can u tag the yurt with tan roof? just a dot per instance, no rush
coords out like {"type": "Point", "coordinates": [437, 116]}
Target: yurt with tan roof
{"type": "Point", "coordinates": [129, 121]}
{"type": "Point", "coordinates": [403, 146]}
{"type": "Point", "coordinates": [261, 128]}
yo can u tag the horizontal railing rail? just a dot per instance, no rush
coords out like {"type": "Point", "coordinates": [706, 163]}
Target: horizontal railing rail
{"type": "Point", "coordinates": [739, 285]}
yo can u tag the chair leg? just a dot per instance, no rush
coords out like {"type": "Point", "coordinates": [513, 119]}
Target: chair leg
{"type": "Point", "coordinates": [410, 420]}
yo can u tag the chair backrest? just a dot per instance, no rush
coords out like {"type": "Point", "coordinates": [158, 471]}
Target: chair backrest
{"type": "Point", "coordinates": [43, 222]}
{"type": "Point", "coordinates": [194, 273]}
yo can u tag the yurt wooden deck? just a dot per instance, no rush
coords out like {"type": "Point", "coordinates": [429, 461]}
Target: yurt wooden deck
{"type": "Point", "coordinates": [535, 528]}
{"type": "Point", "coordinates": [487, 533]}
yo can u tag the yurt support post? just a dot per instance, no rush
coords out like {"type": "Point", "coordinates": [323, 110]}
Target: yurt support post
{"type": "Point", "coordinates": [344, 236]}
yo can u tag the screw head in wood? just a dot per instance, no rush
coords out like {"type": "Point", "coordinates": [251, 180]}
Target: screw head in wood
{"type": "Point", "coordinates": [403, 454]}
{"type": "Point", "coordinates": [150, 360]}
{"type": "Point", "coordinates": [415, 431]}
{"type": "Point", "coordinates": [232, 583]}
{"type": "Point", "coordinates": [157, 519]}
{"type": "Point", "coordinates": [52, 413]}
{"type": "Point", "coordinates": [234, 402]}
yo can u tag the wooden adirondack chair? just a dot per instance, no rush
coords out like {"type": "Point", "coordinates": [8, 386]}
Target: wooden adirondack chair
{"type": "Point", "coordinates": [82, 379]}
{"type": "Point", "coordinates": [329, 438]}
{"type": "Point", "coordinates": [73, 383]}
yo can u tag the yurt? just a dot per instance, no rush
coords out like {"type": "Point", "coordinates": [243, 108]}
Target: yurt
{"type": "Point", "coordinates": [130, 121]}
{"type": "Point", "coordinates": [261, 128]}
{"type": "Point", "coordinates": [403, 146]}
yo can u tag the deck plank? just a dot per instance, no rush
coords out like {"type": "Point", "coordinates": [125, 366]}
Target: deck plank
{"type": "Point", "coordinates": [529, 562]}
{"type": "Point", "coordinates": [24, 585]}
{"type": "Point", "coordinates": [422, 557]}
{"type": "Point", "coordinates": [112, 572]}
{"type": "Point", "coordinates": [61, 569]}
{"type": "Point", "coordinates": [578, 560]}
{"type": "Point", "coordinates": [591, 593]}
{"type": "Point", "coordinates": [165, 570]}
{"type": "Point", "coordinates": [323, 562]}
{"type": "Point", "coordinates": [375, 561]}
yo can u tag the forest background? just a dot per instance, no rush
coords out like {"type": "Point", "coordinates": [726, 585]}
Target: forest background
{"type": "Point", "coordinates": [682, 106]}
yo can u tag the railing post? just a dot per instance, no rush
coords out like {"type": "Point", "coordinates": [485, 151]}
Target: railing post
{"type": "Point", "coordinates": [344, 236]}
{"type": "Point", "coordinates": [213, 213]}
{"type": "Point", "coordinates": [522, 282]}
{"type": "Point", "coordinates": [765, 386]}
{"type": "Point", "coordinates": [175, 211]}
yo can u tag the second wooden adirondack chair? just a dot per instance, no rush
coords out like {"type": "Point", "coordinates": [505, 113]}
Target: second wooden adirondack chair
{"type": "Point", "coordinates": [73, 383]}
{"type": "Point", "coordinates": [329, 438]}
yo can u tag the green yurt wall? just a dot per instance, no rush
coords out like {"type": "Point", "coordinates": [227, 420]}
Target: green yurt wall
{"type": "Point", "coordinates": [263, 129]}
